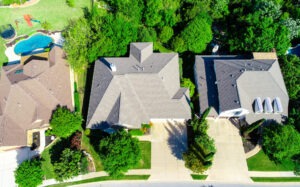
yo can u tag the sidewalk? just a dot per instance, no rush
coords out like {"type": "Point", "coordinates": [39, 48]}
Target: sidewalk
{"type": "Point", "coordinates": [271, 174]}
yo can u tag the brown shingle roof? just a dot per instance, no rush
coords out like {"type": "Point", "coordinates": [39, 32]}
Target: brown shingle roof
{"type": "Point", "coordinates": [30, 95]}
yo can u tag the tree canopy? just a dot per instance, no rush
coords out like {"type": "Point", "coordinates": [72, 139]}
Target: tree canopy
{"type": "Point", "coordinates": [281, 142]}
{"type": "Point", "coordinates": [64, 122]}
{"type": "Point", "coordinates": [29, 173]}
{"type": "Point", "coordinates": [119, 152]}
{"type": "Point", "coordinates": [68, 164]}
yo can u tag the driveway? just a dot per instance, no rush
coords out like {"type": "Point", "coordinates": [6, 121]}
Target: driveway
{"type": "Point", "coordinates": [9, 161]}
{"type": "Point", "coordinates": [169, 141]}
{"type": "Point", "coordinates": [229, 163]}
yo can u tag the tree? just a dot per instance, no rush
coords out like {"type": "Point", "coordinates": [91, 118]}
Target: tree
{"type": "Point", "coordinates": [293, 27]}
{"type": "Point", "coordinates": [68, 164]}
{"type": "Point", "coordinates": [152, 13]}
{"type": "Point", "coordinates": [29, 173]}
{"type": "Point", "coordinates": [77, 40]}
{"type": "Point", "coordinates": [290, 67]}
{"type": "Point", "coordinates": [146, 34]}
{"type": "Point", "coordinates": [198, 33]}
{"type": "Point", "coordinates": [119, 152]}
{"type": "Point", "coordinates": [281, 142]}
{"type": "Point", "coordinates": [178, 44]}
{"type": "Point", "coordinates": [187, 83]}
{"type": "Point", "coordinates": [64, 122]}
{"type": "Point", "coordinates": [219, 8]}
{"type": "Point", "coordinates": [166, 34]}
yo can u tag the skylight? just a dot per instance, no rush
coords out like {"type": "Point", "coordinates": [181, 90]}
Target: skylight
{"type": "Point", "coordinates": [268, 105]}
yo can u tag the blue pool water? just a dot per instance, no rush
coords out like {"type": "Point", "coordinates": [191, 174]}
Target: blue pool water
{"type": "Point", "coordinates": [32, 43]}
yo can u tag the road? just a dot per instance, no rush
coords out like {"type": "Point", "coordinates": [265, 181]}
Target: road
{"type": "Point", "coordinates": [182, 184]}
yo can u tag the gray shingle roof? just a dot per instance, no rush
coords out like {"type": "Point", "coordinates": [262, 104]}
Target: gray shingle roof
{"type": "Point", "coordinates": [141, 88]}
{"type": "Point", "coordinates": [237, 82]}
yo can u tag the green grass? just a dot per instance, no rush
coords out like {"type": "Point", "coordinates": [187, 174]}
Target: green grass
{"type": "Point", "coordinates": [276, 179]}
{"type": "Point", "coordinates": [145, 162]}
{"type": "Point", "coordinates": [81, 79]}
{"type": "Point", "coordinates": [56, 12]}
{"type": "Point", "coordinates": [47, 167]}
{"type": "Point", "coordinates": [261, 162]}
{"type": "Point", "coordinates": [198, 177]}
{"type": "Point", "coordinates": [105, 178]}
{"type": "Point", "coordinates": [159, 47]}
{"type": "Point", "coordinates": [85, 145]}
{"type": "Point", "coordinates": [76, 98]}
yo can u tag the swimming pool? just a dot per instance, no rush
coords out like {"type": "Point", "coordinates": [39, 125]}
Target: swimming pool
{"type": "Point", "coordinates": [34, 42]}
{"type": "Point", "coordinates": [294, 50]}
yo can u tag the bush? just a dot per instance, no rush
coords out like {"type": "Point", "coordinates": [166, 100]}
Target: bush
{"type": "Point", "coordinates": [84, 165]}
{"type": "Point", "coordinates": [29, 173]}
{"type": "Point", "coordinates": [136, 132]}
{"type": "Point", "coordinates": [281, 142]}
{"type": "Point", "coordinates": [70, 3]}
{"type": "Point", "coordinates": [166, 34]}
{"type": "Point", "coordinates": [187, 83]}
{"type": "Point", "coordinates": [193, 162]}
{"type": "Point", "coordinates": [87, 132]}
{"type": "Point", "coordinates": [119, 152]}
{"type": "Point", "coordinates": [64, 122]}
{"type": "Point", "coordinates": [76, 141]}
{"type": "Point", "coordinates": [68, 164]}
{"type": "Point", "coordinates": [252, 127]}
{"type": "Point", "coordinates": [46, 25]}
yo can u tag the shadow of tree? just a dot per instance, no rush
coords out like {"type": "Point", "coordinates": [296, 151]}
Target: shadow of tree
{"type": "Point", "coordinates": [58, 148]}
{"type": "Point", "coordinates": [177, 139]}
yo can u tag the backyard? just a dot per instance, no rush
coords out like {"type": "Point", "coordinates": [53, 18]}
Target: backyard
{"type": "Point", "coordinates": [57, 13]}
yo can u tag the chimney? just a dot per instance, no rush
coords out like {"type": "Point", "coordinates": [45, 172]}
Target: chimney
{"type": "Point", "coordinates": [141, 51]}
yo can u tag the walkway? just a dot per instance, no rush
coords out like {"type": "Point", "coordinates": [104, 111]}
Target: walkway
{"type": "Point", "coordinates": [272, 174]}
{"type": "Point", "coordinates": [229, 163]}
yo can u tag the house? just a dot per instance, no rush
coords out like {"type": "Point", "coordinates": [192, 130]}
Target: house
{"type": "Point", "coordinates": [246, 88]}
{"type": "Point", "coordinates": [29, 92]}
{"type": "Point", "coordinates": [132, 90]}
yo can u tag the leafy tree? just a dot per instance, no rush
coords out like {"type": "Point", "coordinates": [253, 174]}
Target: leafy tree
{"type": "Point", "coordinates": [29, 173]}
{"type": "Point", "coordinates": [77, 40]}
{"type": "Point", "coordinates": [147, 34]}
{"type": "Point", "coordinates": [166, 34]}
{"type": "Point", "coordinates": [219, 8]}
{"type": "Point", "coordinates": [198, 33]}
{"type": "Point", "coordinates": [281, 142]}
{"type": "Point", "coordinates": [68, 164]}
{"type": "Point", "coordinates": [119, 152]}
{"type": "Point", "coordinates": [64, 122]}
{"type": "Point", "coordinates": [178, 44]}
{"type": "Point", "coordinates": [152, 13]}
{"type": "Point", "coordinates": [293, 27]}
{"type": "Point", "coordinates": [187, 83]}
{"type": "Point", "coordinates": [169, 12]}
{"type": "Point", "coordinates": [290, 67]}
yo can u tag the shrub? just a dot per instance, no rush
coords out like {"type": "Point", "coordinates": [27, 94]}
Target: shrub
{"type": "Point", "coordinates": [76, 141]}
{"type": "Point", "coordinates": [84, 164]}
{"type": "Point", "coordinates": [136, 132]}
{"type": "Point", "coordinates": [64, 122]}
{"type": "Point", "coordinates": [87, 132]}
{"type": "Point", "coordinates": [187, 83]}
{"type": "Point", "coordinates": [46, 25]}
{"type": "Point", "coordinates": [119, 152]}
{"type": "Point", "coordinates": [252, 127]}
{"type": "Point", "coordinates": [193, 162]}
{"type": "Point", "coordinates": [29, 173]}
{"type": "Point", "coordinates": [68, 164]}
{"type": "Point", "coordinates": [70, 3]}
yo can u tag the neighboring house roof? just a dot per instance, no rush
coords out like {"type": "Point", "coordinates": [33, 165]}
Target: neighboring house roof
{"type": "Point", "coordinates": [144, 86]}
{"type": "Point", "coordinates": [228, 83]}
{"type": "Point", "coordinates": [29, 93]}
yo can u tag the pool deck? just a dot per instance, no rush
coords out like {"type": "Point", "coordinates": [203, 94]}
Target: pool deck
{"type": "Point", "coordinates": [12, 56]}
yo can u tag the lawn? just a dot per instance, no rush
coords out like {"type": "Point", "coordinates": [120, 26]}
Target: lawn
{"type": "Point", "coordinates": [55, 12]}
{"type": "Point", "coordinates": [46, 164]}
{"type": "Point", "coordinates": [276, 179]}
{"type": "Point", "coordinates": [198, 177]}
{"type": "Point", "coordinates": [261, 162]}
{"type": "Point", "coordinates": [88, 147]}
{"type": "Point", "coordinates": [145, 162]}
{"type": "Point", "coordinates": [105, 178]}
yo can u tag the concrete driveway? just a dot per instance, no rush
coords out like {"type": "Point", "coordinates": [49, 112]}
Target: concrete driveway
{"type": "Point", "coordinates": [169, 141]}
{"type": "Point", "coordinates": [229, 163]}
{"type": "Point", "coordinates": [9, 161]}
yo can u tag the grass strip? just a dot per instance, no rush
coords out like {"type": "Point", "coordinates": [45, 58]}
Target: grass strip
{"type": "Point", "coordinates": [104, 178]}
{"type": "Point", "coordinates": [145, 162]}
{"type": "Point", "coordinates": [198, 177]}
{"type": "Point", "coordinates": [276, 179]}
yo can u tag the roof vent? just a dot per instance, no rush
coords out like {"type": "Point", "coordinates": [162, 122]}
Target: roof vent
{"type": "Point", "coordinates": [242, 70]}
{"type": "Point", "coordinates": [268, 106]}
{"type": "Point", "coordinates": [277, 105]}
{"type": "Point", "coordinates": [258, 108]}
{"type": "Point", "coordinates": [231, 75]}
{"type": "Point", "coordinates": [236, 101]}
{"type": "Point", "coordinates": [234, 85]}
